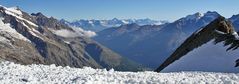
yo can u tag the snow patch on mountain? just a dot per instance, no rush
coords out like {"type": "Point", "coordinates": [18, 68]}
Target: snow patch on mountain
{"type": "Point", "coordinates": [33, 31]}
{"type": "Point", "coordinates": [7, 31]}
{"type": "Point", "coordinates": [235, 34]}
{"type": "Point", "coordinates": [11, 73]}
{"type": "Point", "coordinates": [197, 16]}
{"type": "Point", "coordinates": [14, 10]}
{"type": "Point", "coordinates": [18, 15]}
{"type": "Point", "coordinates": [194, 16]}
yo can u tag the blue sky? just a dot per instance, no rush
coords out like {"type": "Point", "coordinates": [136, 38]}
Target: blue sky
{"type": "Point", "coordinates": [123, 9]}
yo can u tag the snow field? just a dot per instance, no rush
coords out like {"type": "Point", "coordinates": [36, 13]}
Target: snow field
{"type": "Point", "coordinates": [48, 74]}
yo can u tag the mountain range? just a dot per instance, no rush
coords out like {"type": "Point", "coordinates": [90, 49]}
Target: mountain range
{"type": "Point", "coordinates": [152, 44]}
{"type": "Point", "coordinates": [119, 44]}
{"type": "Point", "coordinates": [98, 25]}
{"type": "Point", "coordinates": [37, 39]}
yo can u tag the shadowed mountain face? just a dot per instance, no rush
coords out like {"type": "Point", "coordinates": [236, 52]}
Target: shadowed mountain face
{"type": "Point", "coordinates": [35, 38]}
{"type": "Point", "coordinates": [152, 44]}
{"type": "Point", "coordinates": [220, 30]}
{"type": "Point", "coordinates": [235, 21]}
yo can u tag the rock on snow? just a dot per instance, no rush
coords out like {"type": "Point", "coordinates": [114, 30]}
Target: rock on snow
{"type": "Point", "coordinates": [16, 73]}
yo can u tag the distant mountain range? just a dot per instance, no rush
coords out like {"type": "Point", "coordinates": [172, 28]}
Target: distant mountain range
{"type": "Point", "coordinates": [37, 39]}
{"type": "Point", "coordinates": [98, 25]}
{"type": "Point", "coordinates": [152, 44]}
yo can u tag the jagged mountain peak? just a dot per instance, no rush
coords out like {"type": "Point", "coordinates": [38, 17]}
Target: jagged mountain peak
{"type": "Point", "coordinates": [211, 14]}
{"type": "Point", "coordinates": [39, 14]}
{"type": "Point", "coordinates": [198, 15]}
{"type": "Point", "coordinates": [234, 18]}
{"type": "Point", "coordinates": [237, 15]}
{"type": "Point", "coordinates": [63, 20]}
{"type": "Point", "coordinates": [98, 25]}
{"type": "Point", "coordinates": [192, 22]}
{"type": "Point", "coordinates": [16, 8]}
{"type": "Point", "coordinates": [115, 19]}
{"type": "Point", "coordinates": [235, 21]}
{"type": "Point", "coordinates": [12, 10]}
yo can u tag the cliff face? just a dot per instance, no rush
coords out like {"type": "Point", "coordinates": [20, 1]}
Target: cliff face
{"type": "Point", "coordinates": [35, 38]}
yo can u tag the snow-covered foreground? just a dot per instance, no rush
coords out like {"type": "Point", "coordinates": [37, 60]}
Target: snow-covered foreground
{"type": "Point", "coordinates": [15, 73]}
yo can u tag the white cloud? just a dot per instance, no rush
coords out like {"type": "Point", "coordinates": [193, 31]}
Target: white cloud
{"type": "Point", "coordinates": [86, 33]}
{"type": "Point", "coordinates": [78, 32]}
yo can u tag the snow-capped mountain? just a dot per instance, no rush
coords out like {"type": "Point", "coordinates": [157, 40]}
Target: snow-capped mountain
{"type": "Point", "coordinates": [38, 39]}
{"type": "Point", "coordinates": [98, 25]}
{"type": "Point", "coordinates": [151, 44]}
{"type": "Point", "coordinates": [192, 55]}
{"type": "Point", "coordinates": [192, 22]}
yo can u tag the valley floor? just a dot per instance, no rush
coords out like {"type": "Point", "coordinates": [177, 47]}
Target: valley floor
{"type": "Point", "coordinates": [16, 73]}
